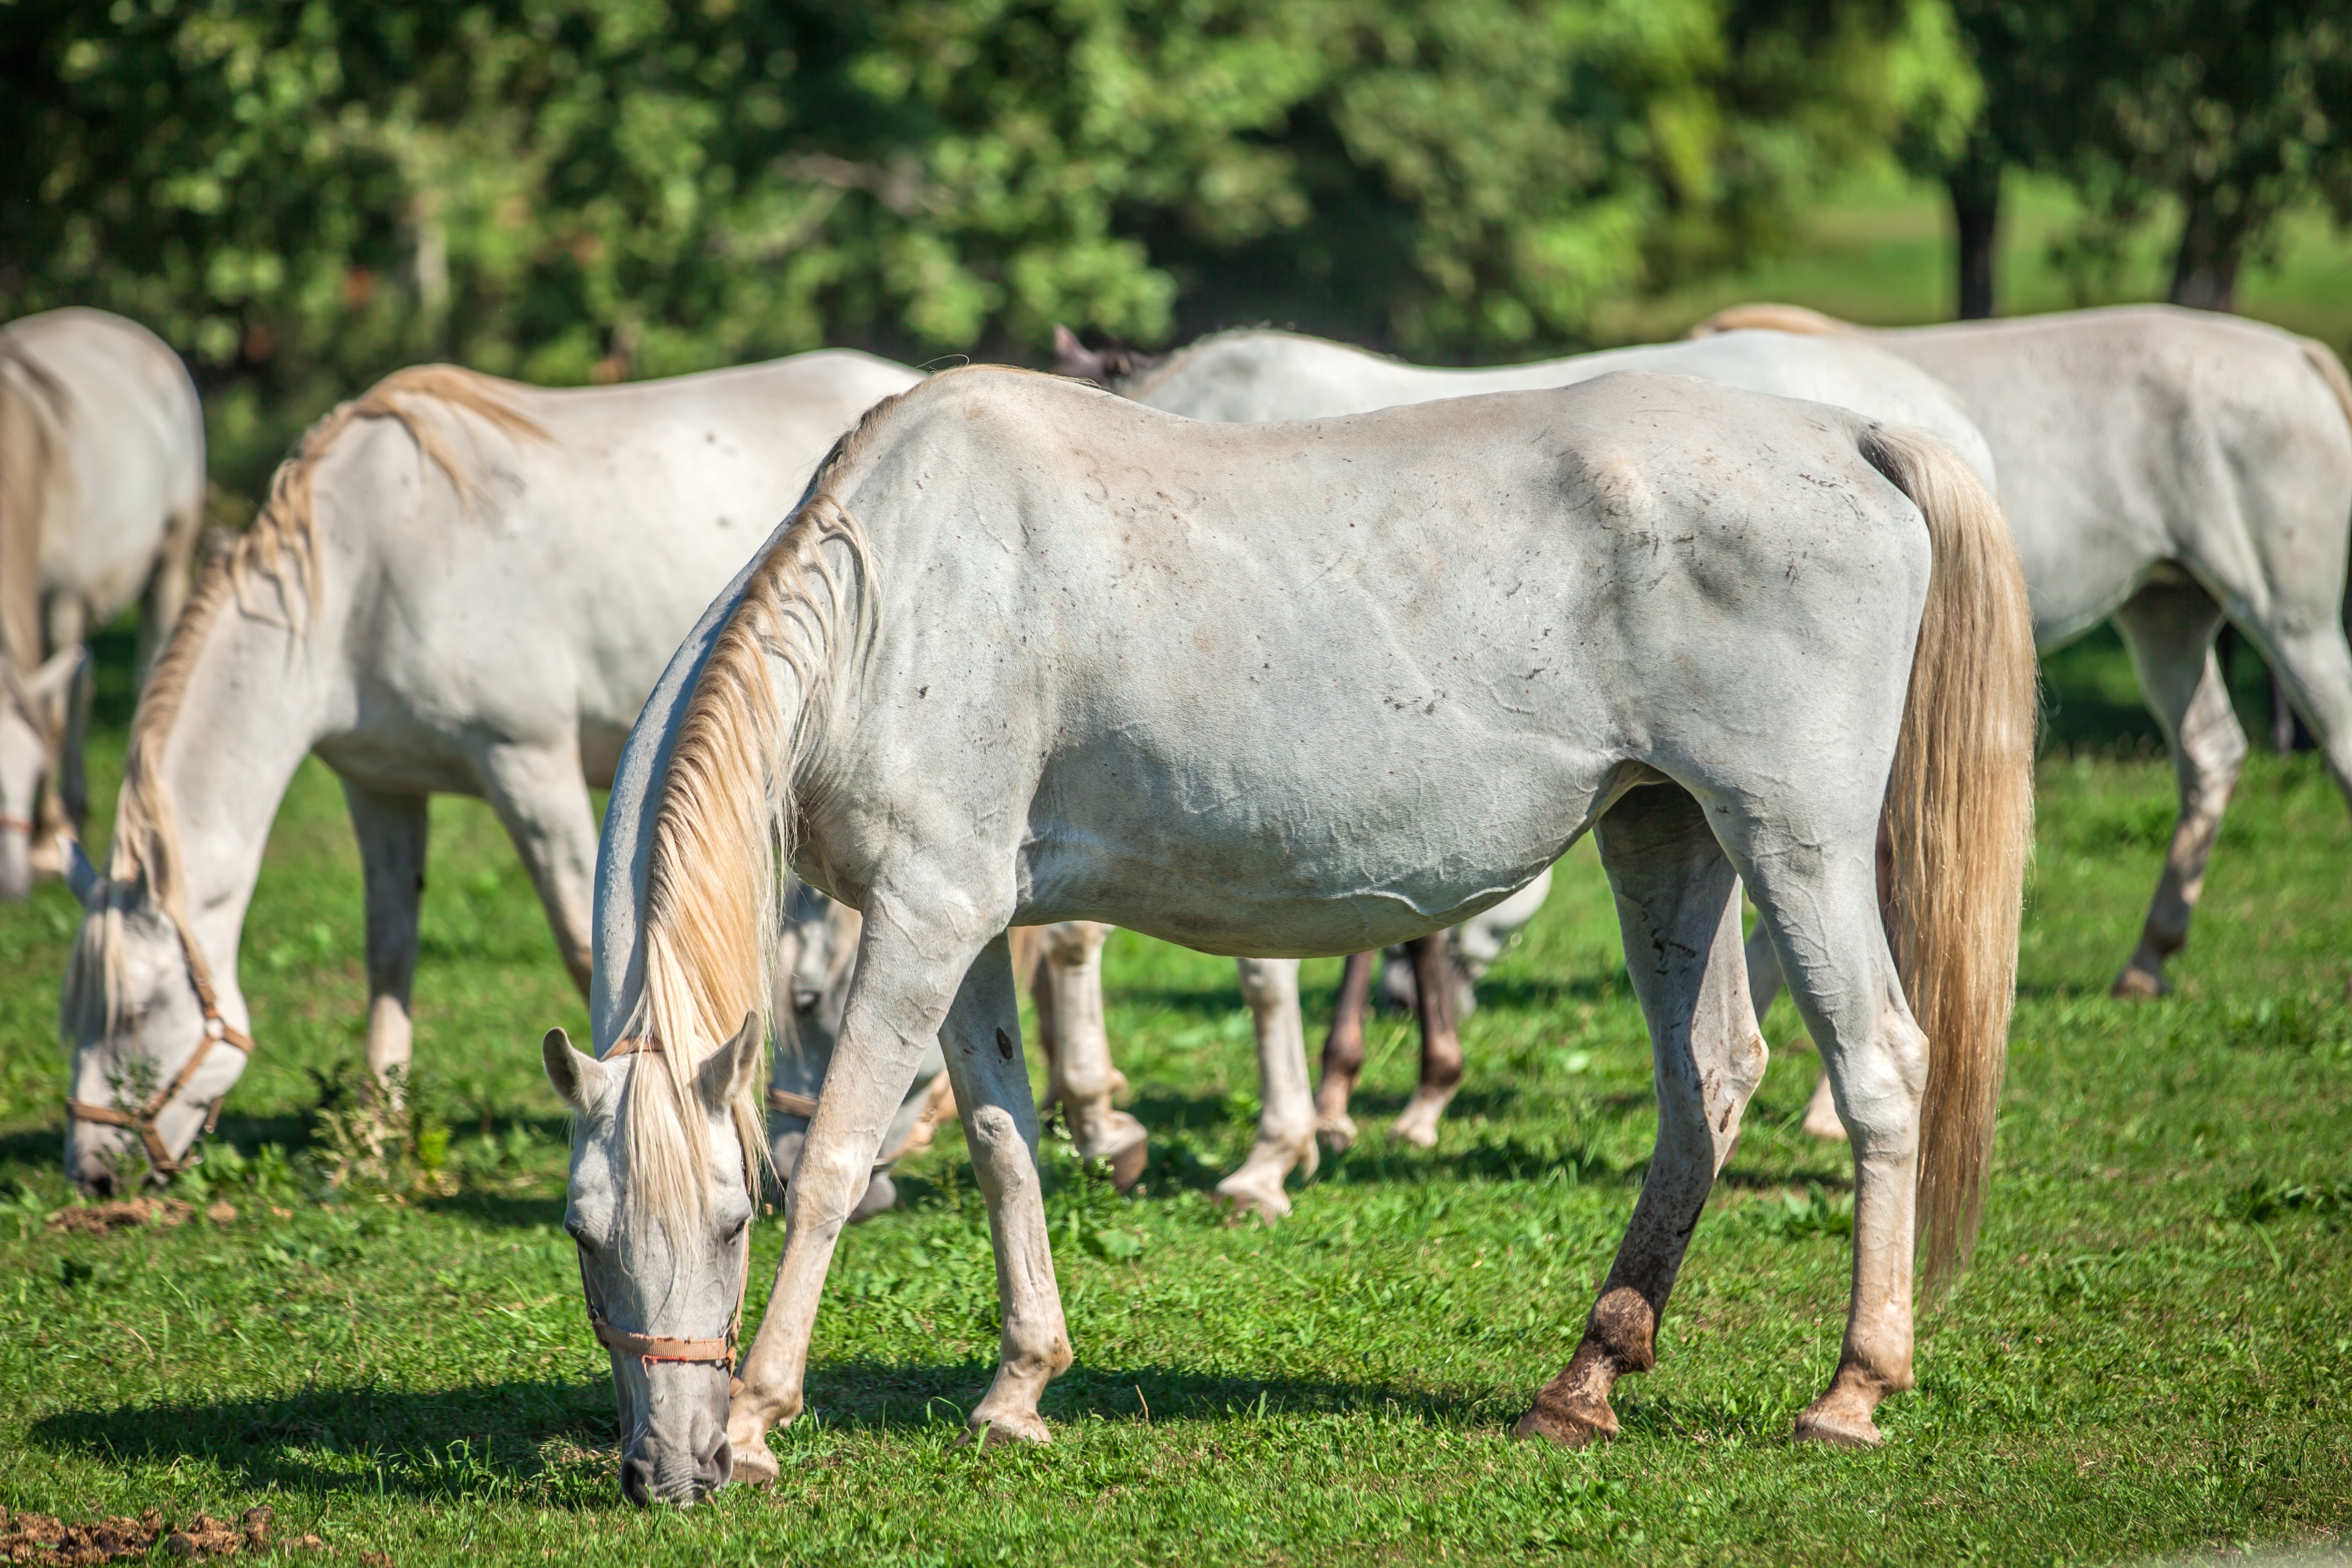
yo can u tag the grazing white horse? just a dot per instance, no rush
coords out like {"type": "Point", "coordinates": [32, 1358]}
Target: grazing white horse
{"type": "Point", "coordinates": [2166, 470]}
{"type": "Point", "coordinates": [1029, 652]}
{"type": "Point", "coordinates": [459, 585]}
{"type": "Point", "coordinates": [102, 495]}
{"type": "Point", "coordinates": [1251, 377]}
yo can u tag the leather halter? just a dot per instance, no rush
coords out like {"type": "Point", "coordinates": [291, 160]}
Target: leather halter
{"type": "Point", "coordinates": [217, 1031]}
{"type": "Point", "coordinates": [651, 1348]}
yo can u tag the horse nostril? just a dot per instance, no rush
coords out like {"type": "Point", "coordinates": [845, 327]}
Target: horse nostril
{"type": "Point", "coordinates": [717, 1465]}
{"type": "Point", "coordinates": [636, 1477]}
{"type": "Point", "coordinates": [99, 1182]}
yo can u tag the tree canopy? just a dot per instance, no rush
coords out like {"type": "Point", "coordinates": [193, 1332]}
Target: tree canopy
{"type": "Point", "coordinates": [303, 194]}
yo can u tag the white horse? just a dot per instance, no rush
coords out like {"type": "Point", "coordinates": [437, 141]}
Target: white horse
{"type": "Point", "coordinates": [102, 495]}
{"type": "Point", "coordinates": [2167, 469]}
{"type": "Point", "coordinates": [1250, 377]}
{"type": "Point", "coordinates": [459, 585]}
{"type": "Point", "coordinates": [1028, 652]}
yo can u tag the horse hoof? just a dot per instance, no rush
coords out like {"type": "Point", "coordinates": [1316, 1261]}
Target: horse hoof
{"type": "Point", "coordinates": [2138, 985]}
{"type": "Point", "coordinates": [1416, 1126]}
{"type": "Point", "coordinates": [1839, 1420]}
{"type": "Point", "coordinates": [1127, 1166]}
{"type": "Point", "coordinates": [754, 1466]}
{"type": "Point", "coordinates": [1553, 1422]}
{"type": "Point", "coordinates": [1339, 1135]}
{"type": "Point", "coordinates": [998, 1431]}
{"type": "Point", "coordinates": [1247, 1195]}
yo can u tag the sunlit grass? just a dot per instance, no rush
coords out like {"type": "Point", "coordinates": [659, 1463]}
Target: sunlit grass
{"type": "Point", "coordinates": [2154, 1353]}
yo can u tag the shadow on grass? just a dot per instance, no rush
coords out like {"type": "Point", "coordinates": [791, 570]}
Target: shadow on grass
{"type": "Point", "coordinates": [463, 1442]}
{"type": "Point", "coordinates": [326, 1440]}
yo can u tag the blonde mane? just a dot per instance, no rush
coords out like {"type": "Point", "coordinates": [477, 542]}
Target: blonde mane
{"type": "Point", "coordinates": [282, 546]}
{"type": "Point", "coordinates": [726, 826]}
{"type": "Point", "coordinates": [1794, 318]}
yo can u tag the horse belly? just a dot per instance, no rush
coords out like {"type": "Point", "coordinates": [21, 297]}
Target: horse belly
{"type": "Point", "coordinates": [1294, 829]}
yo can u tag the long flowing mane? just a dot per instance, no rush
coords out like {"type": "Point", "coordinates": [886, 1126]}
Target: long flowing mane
{"type": "Point", "coordinates": [280, 548]}
{"type": "Point", "coordinates": [727, 823]}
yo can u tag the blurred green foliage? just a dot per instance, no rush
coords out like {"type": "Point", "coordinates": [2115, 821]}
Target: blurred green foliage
{"type": "Point", "coordinates": [301, 195]}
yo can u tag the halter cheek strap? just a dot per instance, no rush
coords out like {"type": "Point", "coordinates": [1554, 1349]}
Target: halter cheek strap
{"type": "Point", "coordinates": [651, 1348]}
{"type": "Point", "coordinates": [217, 1031]}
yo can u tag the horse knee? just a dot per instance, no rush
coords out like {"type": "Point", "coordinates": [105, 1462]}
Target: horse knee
{"type": "Point", "coordinates": [1880, 1083]}
{"type": "Point", "coordinates": [1001, 1157]}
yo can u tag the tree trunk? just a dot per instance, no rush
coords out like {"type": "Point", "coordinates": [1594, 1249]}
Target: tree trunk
{"type": "Point", "coordinates": [2205, 269]}
{"type": "Point", "coordinates": [1975, 185]}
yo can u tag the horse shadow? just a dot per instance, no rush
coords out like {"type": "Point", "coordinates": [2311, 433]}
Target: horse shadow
{"type": "Point", "coordinates": [460, 1442]}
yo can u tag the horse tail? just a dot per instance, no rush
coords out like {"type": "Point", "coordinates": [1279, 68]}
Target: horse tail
{"type": "Point", "coordinates": [1960, 809]}
{"type": "Point", "coordinates": [1773, 319]}
{"type": "Point", "coordinates": [2331, 371]}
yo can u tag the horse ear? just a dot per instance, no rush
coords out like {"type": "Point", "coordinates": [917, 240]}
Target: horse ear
{"type": "Point", "coordinates": [731, 1067]}
{"type": "Point", "coordinates": [80, 875]}
{"type": "Point", "coordinates": [1073, 358]}
{"type": "Point", "coordinates": [577, 1076]}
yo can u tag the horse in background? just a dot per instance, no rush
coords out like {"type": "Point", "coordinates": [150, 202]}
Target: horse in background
{"type": "Point", "coordinates": [458, 584]}
{"type": "Point", "coordinates": [102, 499]}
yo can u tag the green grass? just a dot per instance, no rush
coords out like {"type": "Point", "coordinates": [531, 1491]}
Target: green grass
{"type": "Point", "coordinates": [2153, 1356]}
{"type": "Point", "coordinates": [1881, 252]}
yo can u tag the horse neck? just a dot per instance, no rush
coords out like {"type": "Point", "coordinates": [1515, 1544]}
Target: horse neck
{"type": "Point", "coordinates": [256, 699]}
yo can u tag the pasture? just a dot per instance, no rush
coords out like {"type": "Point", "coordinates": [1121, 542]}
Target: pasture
{"type": "Point", "coordinates": [2152, 1357]}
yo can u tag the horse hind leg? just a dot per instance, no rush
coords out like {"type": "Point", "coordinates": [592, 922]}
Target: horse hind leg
{"type": "Point", "coordinates": [1078, 1066]}
{"type": "Point", "coordinates": [1678, 905]}
{"type": "Point", "coordinates": [1433, 988]}
{"type": "Point", "coordinates": [1827, 926]}
{"type": "Point", "coordinates": [1343, 1054]}
{"type": "Point", "coordinates": [391, 833]}
{"type": "Point", "coordinates": [2168, 629]}
{"type": "Point", "coordinates": [1286, 1124]}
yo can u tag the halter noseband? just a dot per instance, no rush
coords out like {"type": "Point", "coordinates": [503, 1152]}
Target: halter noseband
{"type": "Point", "coordinates": [217, 1031]}
{"type": "Point", "coordinates": [651, 1348]}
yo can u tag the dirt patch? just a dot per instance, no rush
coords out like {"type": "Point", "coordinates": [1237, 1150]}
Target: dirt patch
{"type": "Point", "coordinates": [100, 1219]}
{"type": "Point", "coordinates": [39, 1538]}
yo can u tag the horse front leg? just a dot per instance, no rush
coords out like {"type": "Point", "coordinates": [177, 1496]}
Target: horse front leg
{"type": "Point", "coordinates": [392, 831]}
{"type": "Point", "coordinates": [1286, 1122]}
{"type": "Point", "coordinates": [1678, 904]}
{"type": "Point", "coordinates": [906, 975]}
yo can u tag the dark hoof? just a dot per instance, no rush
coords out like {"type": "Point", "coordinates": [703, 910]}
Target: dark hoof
{"type": "Point", "coordinates": [1562, 1429]}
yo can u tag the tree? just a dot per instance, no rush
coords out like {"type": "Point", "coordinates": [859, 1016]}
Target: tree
{"type": "Point", "coordinates": [2236, 109]}
{"type": "Point", "coordinates": [302, 195]}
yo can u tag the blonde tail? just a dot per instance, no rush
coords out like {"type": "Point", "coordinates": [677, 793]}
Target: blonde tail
{"type": "Point", "coordinates": [1960, 817]}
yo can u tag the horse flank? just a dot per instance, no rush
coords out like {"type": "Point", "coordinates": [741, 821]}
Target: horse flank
{"type": "Point", "coordinates": [281, 545]}
{"type": "Point", "coordinates": [725, 828]}
{"type": "Point", "coordinates": [1960, 809]}
{"type": "Point", "coordinates": [32, 409]}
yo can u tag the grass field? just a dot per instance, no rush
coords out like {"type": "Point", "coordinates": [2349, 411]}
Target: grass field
{"type": "Point", "coordinates": [2153, 1356]}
